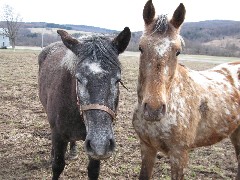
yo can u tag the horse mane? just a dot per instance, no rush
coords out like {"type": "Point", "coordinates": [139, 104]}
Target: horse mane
{"type": "Point", "coordinates": [94, 48]}
{"type": "Point", "coordinates": [161, 24]}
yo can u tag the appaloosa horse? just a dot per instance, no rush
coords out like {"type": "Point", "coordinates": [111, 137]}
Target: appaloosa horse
{"type": "Point", "coordinates": [79, 89]}
{"type": "Point", "coordinates": [179, 109]}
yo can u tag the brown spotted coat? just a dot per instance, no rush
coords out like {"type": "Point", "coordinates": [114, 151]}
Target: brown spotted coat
{"type": "Point", "coordinates": [178, 108]}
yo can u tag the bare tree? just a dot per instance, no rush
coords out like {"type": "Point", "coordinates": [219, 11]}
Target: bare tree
{"type": "Point", "coordinates": [11, 22]}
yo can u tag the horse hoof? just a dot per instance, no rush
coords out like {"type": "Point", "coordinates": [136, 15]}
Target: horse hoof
{"type": "Point", "coordinates": [72, 156]}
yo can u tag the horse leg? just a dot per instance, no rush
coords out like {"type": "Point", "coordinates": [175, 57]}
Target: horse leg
{"type": "Point", "coordinates": [52, 154]}
{"type": "Point", "coordinates": [93, 169]}
{"type": "Point", "coordinates": [179, 161]}
{"type": "Point", "coordinates": [148, 155]}
{"type": "Point", "coordinates": [59, 150]}
{"type": "Point", "coordinates": [235, 139]}
{"type": "Point", "coordinates": [73, 154]}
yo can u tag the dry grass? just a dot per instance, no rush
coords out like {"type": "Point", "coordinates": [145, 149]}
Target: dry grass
{"type": "Point", "coordinates": [24, 131]}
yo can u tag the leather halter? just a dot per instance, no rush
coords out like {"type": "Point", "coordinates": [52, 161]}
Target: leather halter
{"type": "Point", "coordinates": [101, 107]}
{"type": "Point", "coordinates": [98, 107]}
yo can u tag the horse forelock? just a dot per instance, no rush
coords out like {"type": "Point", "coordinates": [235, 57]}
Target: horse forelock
{"type": "Point", "coordinates": [93, 49]}
{"type": "Point", "coordinates": [161, 24]}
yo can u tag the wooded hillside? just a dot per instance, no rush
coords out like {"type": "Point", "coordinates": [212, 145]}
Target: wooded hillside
{"type": "Point", "coordinates": [217, 38]}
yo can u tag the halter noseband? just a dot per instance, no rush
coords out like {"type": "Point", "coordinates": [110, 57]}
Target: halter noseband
{"type": "Point", "coordinates": [101, 107]}
{"type": "Point", "coordinates": [98, 107]}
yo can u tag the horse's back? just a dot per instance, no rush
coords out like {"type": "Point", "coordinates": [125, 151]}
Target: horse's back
{"type": "Point", "coordinates": [231, 71]}
{"type": "Point", "coordinates": [226, 73]}
{"type": "Point", "coordinates": [47, 64]}
{"type": "Point", "coordinates": [49, 51]}
{"type": "Point", "coordinates": [219, 102]}
{"type": "Point", "coordinates": [53, 78]}
{"type": "Point", "coordinates": [57, 92]}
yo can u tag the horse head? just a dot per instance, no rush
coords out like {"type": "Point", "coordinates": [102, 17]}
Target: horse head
{"type": "Point", "coordinates": [94, 62]}
{"type": "Point", "coordinates": [159, 45]}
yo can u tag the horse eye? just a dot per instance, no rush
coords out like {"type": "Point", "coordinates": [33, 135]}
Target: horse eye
{"type": "Point", "coordinates": [140, 49]}
{"type": "Point", "coordinates": [177, 53]}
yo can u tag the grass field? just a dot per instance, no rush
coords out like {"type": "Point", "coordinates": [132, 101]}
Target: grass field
{"type": "Point", "coordinates": [25, 134]}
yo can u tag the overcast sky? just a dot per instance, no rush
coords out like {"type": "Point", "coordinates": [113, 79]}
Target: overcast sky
{"type": "Point", "coordinates": [116, 14]}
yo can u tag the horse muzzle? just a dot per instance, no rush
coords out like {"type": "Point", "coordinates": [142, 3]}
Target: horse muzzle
{"type": "Point", "coordinates": [99, 142]}
{"type": "Point", "coordinates": [154, 114]}
{"type": "Point", "coordinates": [99, 148]}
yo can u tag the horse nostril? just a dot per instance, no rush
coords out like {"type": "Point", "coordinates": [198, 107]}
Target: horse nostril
{"type": "Point", "coordinates": [154, 114]}
{"type": "Point", "coordinates": [100, 149]}
{"type": "Point", "coordinates": [111, 145]}
{"type": "Point", "coordinates": [146, 108]}
{"type": "Point", "coordinates": [88, 146]}
{"type": "Point", "coordinates": [163, 109]}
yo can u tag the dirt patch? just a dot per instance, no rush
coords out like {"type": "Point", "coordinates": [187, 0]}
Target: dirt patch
{"type": "Point", "coordinates": [25, 134]}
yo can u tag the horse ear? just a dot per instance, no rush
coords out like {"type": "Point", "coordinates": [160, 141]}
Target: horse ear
{"type": "Point", "coordinates": [122, 40]}
{"type": "Point", "coordinates": [148, 12]}
{"type": "Point", "coordinates": [178, 16]}
{"type": "Point", "coordinates": [67, 40]}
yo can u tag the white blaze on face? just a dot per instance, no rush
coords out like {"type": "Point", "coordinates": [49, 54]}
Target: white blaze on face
{"type": "Point", "coordinates": [95, 68]}
{"type": "Point", "coordinates": [163, 47]}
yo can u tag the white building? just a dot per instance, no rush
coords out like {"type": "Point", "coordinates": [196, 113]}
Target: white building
{"type": "Point", "coordinates": [4, 40]}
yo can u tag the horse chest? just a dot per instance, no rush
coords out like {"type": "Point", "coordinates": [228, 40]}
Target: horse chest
{"type": "Point", "coordinates": [188, 125]}
{"type": "Point", "coordinates": [160, 133]}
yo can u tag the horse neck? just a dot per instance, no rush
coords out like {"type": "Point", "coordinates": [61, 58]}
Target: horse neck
{"type": "Point", "coordinates": [181, 78]}
{"type": "Point", "coordinates": [181, 71]}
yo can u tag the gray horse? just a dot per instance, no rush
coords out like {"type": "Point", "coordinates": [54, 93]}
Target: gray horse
{"type": "Point", "coordinates": [79, 89]}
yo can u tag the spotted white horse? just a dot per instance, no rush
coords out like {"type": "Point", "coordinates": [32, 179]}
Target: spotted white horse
{"type": "Point", "coordinates": [178, 108]}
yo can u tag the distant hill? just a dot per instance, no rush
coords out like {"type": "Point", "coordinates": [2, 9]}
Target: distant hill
{"type": "Point", "coordinates": [32, 33]}
{"type": "Point", "coordinates": [67, 27]}
{"type": "Point", "coordinates": [214, 37]}
{"type": "Point", "coordinates": [209, 30]}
